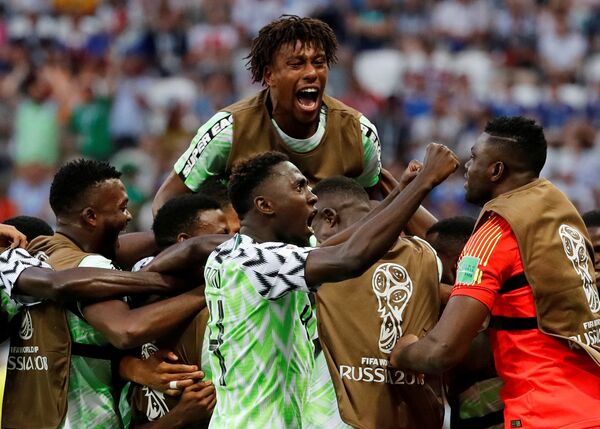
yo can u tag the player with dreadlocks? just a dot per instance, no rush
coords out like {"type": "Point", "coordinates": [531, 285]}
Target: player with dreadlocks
{"type": "Point", "coordinates": [322, 136]}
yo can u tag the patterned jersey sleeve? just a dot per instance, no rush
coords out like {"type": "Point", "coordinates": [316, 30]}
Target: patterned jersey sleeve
{"type": "Point", "coordinates": [208, 152]}
{"type": "Point", "coordinates": [275, 269]}
{"type": "Point", "coordinates": [12, 264]}
{"type": "Point", "coordinates": [371, 154]}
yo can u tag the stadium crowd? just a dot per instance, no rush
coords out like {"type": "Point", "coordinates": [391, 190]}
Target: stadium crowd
{"type": "Point", "coordinates": [281, 269]}
{"type": "Point", "coordinates": [137, 78]}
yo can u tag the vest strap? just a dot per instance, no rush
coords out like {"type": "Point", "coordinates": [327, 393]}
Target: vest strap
{"type": "Point", "coordinates": [95, 352]}
{"type": "Point", "coordinates": [513, 323]}
{"type": "Point", "coordinates": [482, 422]}
{"type": "Point", "coordinates": [515, 282]}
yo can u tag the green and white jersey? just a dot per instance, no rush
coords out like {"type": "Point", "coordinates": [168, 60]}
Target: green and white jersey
{"type": "Point", "coordinates": [260, 351]}
{"type": "Point", "coordinates": [12, 263]}
{"type": "Point", "coordinates": [321, 409]}
{"type": "Point", "coordinates": [90, 401]}
{"type": "Point", "coordinates": [91, 404]}
{"type": "Point", "coordinates": [209, 150]}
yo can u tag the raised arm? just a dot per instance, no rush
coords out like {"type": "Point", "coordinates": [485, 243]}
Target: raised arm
{"type": "Point", "coordinates": [422, 220]}
{"type": "Point", "coordinates": [372, 239]}
{"type": "Point", "coordinates": [418, 224]}
{"type": "Point", "coordinates": [171, 187]}
{"type": "Point", "coordinates": [126, 328]}
{"type": "Point", "coordinates": [93, 284]}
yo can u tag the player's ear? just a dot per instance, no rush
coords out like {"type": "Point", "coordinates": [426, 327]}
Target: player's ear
{"type": "Point", "coordinates": [89, 216]}
{"type": "Point", "coordinates": [182, 236]}
{"type": "Point", "coordinates": [330, 217]}
{"type": "Point", "coordinates": [263, 205]}
{"type": "Point", "coordinates": [268, 75]}
{"type": "Point", "coordinates": [497, 171]}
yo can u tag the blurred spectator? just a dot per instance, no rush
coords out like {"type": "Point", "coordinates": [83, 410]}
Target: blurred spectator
{"type": "Point", "coordinates": [460, 23]}
{"type": "Point", "coordinates": [372, 27]}
{"type": "Point", "coordinates": [212, 42]}
{"type": "Point", "coordinates": [130, 108]}
{"type": "Point", "coordinates": [412, 18]}
{"type": "Point", "coordinates": [561, 51]}
{"type": "Point", "coordinates": [515, 33]}
{"type": "Point", "coordinates": [217, 92]}
{"type": "Point", "coordinates": [103, 71]}
{"type": "Point", "coordinates": [249, 16]}
{"type": "Point", "coordinates": [441, 125]}
{"type": "Point", "coordinates": [36, 132]}
{"type": "Point", "coordinates": [8, 208]}
{"type": "Point", "coordinates": [168, 39]}
{"type": "Point", "coordinates": [90, 123]}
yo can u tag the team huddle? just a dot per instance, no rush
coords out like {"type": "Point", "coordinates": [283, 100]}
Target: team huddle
{"type": "Point", "coordinates": [291, 282]}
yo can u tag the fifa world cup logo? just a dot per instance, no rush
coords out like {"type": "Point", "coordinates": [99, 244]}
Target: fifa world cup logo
{"type": "Point", "coordinates": [576, 251]}
{"type": "Point", "coordinates": [393, 289]}
{"type": "Point", "coordinates": [156, 407]}
{"type": "Point", "coordinates": [26, 329]}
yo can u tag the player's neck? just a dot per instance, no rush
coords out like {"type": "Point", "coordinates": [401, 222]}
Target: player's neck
{"type": "Point", "coordinates": [258, 234]}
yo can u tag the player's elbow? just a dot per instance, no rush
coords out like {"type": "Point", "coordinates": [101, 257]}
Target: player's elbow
{"type": "Point", "coordinates": [442, 357]}
{"type": "Point", "coordinates": [127, 337]}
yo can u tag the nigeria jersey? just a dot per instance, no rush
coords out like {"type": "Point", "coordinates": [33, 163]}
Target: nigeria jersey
{"type": "Point", "coordinates": [90, 399]}
{"type": "Point", "coordinates": [12, 263]}
{"type": "Point", "coordinates": [321, 408]}
{"type": "Point", "coordinates": [91, 403]}
{"type": "Point", "coordinates": [211, 146]}
{"type": "Point", "coordinates": [260, 351]}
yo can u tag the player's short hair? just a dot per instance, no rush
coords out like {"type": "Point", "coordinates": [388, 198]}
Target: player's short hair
{"type": "Point", "coordinates": [343, 186]}
{"type": "Point", "coordinates": [215, 187]}
{"type": "Point", "coordinates": [247, 175]}
{"type": "Point", "coordinates": [521, 136]}
{"type": "Point", "coordinates": [455, 230]}
{"type": "Point", "coordinates": [74, 179]}
{"type": "Point", "coordinates": [289, 29]}
{"type": "Point", "coordinates": [591, 219]}
{"type": "Point", "coordinates": [180, 215]}
{"type": "Point", "coordinates": [31, 226]}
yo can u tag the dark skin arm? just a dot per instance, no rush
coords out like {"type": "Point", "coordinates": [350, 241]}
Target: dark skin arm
{"type": "Point", "coordinates": [187, 258]}
{"type": "Point", "coordinates": [126, 328]}
{"type": "Point", "coordinates": [420, 222]}
{"type": "Point", "coordinates": [372, 239]}
{"type": "Point", "coordinates": [133, 247]}
{"type": "Point", "coordinates": [92, 284]}
{"type": "Point", "coordinates": [196, 404]}
{"type": "Point", "coordinates": [447, 343]}
{"type": "Point", "coordinates": [445, 291]}
{"type": "Point", "coordinates": [171, 187]}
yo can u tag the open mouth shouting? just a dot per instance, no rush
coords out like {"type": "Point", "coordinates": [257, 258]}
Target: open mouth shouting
{"type": "Point", "coordinates": [309, 221]}
{"type": "Point", "coordinates": [308, 99]}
